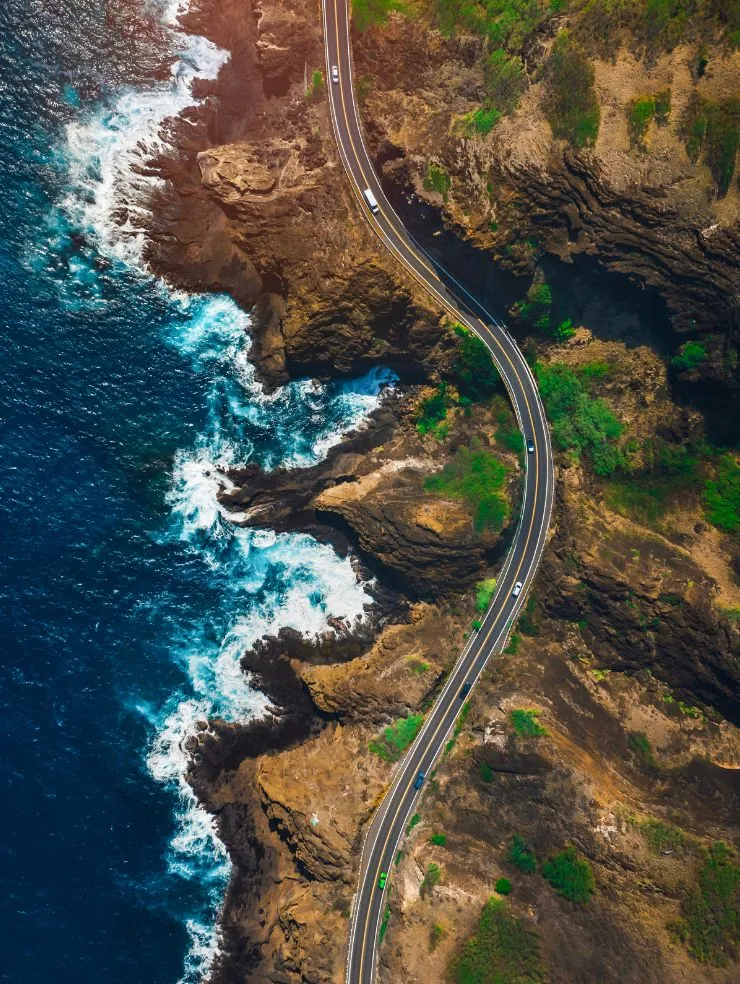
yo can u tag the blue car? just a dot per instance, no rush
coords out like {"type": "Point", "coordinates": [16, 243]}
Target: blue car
{"type": "Point", "coordinates": [419, 782]}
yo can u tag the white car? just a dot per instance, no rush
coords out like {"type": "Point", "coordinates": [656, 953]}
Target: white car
{"type": "Point", "coordinates": [334, 73]}
{"type": "Point", "coordinates": [517, 590]}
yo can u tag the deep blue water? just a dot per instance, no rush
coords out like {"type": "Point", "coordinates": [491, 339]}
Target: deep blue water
{"type": "Point", "coordinates": [126, 599]}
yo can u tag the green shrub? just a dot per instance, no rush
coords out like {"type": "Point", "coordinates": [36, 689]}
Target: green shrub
{"type": "Point", "coordinates": [660, 836]}
{"type": "Point", "coordinates": [486, 772]}
{"type": "Point", "coordinates": [722, 495]}
{"type": "Point", "coordinates": [437, 180]}
{"type": "Point", "coordinates": [570, 875]}
{"type": "Point", "coordinates": [535, 308]}
{"type": "Point", "coordinates": [436, 936]}
{"type": "Point", "coordinates": [525, 723]}
{"type": "Point", "coordinates": [711, 130]}
{"type": "Point", "coordinates": [315, 88]}
{"type": "Point", "coordinates": [564, 331]}
{"type": "Point", "coordinates": [520, 856]}
{"type": "Point", "coordinates": [505, 80]}
{"type": "Point", "coordinates": [484, 591]}
{"type": "Point", "coordinates": [384, 925]}
{"type": "Point", "coordinates": [416, 819]}
{"type": "Point", "coordinates": [527, 622]}
{"type": "Point", "coordinates": [433, 410]}
{"type": "Point", "coordinates": [395, 739]}
{"type": "Point", "coordinates": [503, 886]}
{"type": "Point", "coordinates": [474, 372]}
{"type": "Point", "coordinates": [710, 914]}
{"type": "Point", "coordinates": [431, 879]}
{"type": "Point", "coordinates": [689, 356]}
{"type": "Point", "coordinates": [476, 624]}
{"type": "Point", "coordinates": [513, 645]}
{"type": "Point", "coordinates": [418, 666]}
{"type": "Point", "coordinates": [501, 951]}
{"type": "Point", "coordinates": [670, 474]}
{"type": "Point", "coordinates": [580, 423]}
{"type": "Point", "coordinates": [483, 120]}
{"type": "Point", "coordinates": [439, 839]}
{"type": "Point", "coordinates": [478, 478]}
{"type": "Point", "coordinates": [571, 106]}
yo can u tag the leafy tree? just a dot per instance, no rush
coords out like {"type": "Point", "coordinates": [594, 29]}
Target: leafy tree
{"type": "Point", "coordinates": [722, 495]}
{"type": "Point", "coordinates": [520, 856]}
{"type": "Point", "coordinates": [503, 886]}
{"type": "Point", "coordinates": [689, 356]}
{"type": "Point", "coordinates": [474, 371]}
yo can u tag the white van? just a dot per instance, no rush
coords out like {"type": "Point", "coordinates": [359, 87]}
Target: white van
{"type": "Point", "coordinates": [371, 200]}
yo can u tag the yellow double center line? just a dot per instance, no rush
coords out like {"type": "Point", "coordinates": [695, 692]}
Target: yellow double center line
{"type": "Point", "coordinates": [431, 287]}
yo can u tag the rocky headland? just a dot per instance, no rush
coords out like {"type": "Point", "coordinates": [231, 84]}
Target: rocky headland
{"type": "Point", "coordinates": [604, 740]}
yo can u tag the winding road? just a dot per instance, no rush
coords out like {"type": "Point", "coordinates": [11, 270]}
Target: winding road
{"type": "Point", "coordinates": [390, 822]}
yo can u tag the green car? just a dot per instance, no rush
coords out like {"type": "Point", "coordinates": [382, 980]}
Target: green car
{"type": "Point", "coordinates": [383, 879]}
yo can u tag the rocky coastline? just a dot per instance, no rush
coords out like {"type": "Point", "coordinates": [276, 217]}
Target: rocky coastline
{"type": "Point", "coordinates": [629, 651]}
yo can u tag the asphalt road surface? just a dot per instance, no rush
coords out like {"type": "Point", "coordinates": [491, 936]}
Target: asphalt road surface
{"type": "Point", "coordinates": [390, 822]}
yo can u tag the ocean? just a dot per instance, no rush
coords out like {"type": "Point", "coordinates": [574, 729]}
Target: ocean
{"type": "Point", "coordinates": [126, 596]}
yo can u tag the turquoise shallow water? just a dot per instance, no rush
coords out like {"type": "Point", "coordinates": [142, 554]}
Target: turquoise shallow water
{"type": "Point", "coordinates": [126, 597]}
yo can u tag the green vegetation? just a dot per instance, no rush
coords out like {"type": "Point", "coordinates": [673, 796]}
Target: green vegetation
{"type": "Point", "coordinates": [722, 495]}
{"type": "Point", "coordinates": [571, 106]}
{"type": "Point", "coordinates": [483, 121]}
{"type": "Point", "coordinates": [639, 115]}
{"type": "Point", "coordinates": [503, 886]}
{"type": "Point", "coordinates": [431, 879]}
{"type": "Point", "coordinates": [689, 356]}
{"type": "Point", "coordinates": [501, 951]}
{"type": "Point", "coordinates": [418, 666]}
{"type": "Point", "coordinates": [564, 331]}
{"type": "Point", "coordinates": [315, 89]}
{"type": "Point", "coordinates": [475, 374]}
{"type": "Point", "coordinates": [592, 372]}
{"type": "Point", "coordinates": [659, 836]}
{"type": "Point", "coordinates": [433, 411]}
{"type": "Point", "coordinates": [520, 856]}
{"type": "Point", "coordinates": [476, 624]}
{"type": "Point", "coordinates": [580, 423]}
{"type": "Point", "coordinates": [711, 131]}
{"type": "Point", "coordinates": [413, 822]}
{"type": "Point", "coordinates": [439, 839]}
{"type": "Point", "coordinates": [505, 80]}
{"type": "Point", "coordinates": [570, 875]}
{"type": "Point", "coordinates": [710, 914]}
{"type": "Point", "coordinates": [384, 925]}
{"type": "Point", "coordinates": [483, 593]}
{"type": "Point", "coordinates": [662, 107]}
{"type": "Point", "coordinates": [437, 180]}
{"type": "Point", "coordinates": [535, 308]}
{"type": "Point", "coordinates": [513, 645]}
{"type": "Point", "coordinates": [504, 23]}
{"type": "Point", "coordinates": [462, 717]}
{"type": "Point", "coordinates": [525, 723]}
{"type": "Point", "coordinates": [372, 13]}
{"type": "Point", "coordinates": [437, 934]}
{"type": "Point", "coordinates": [670, 473]}
{"type": "Point", "coordinates": [395, 739]}
{"type": "Point", "coordinates": [478, 478]}
{"type": "Point", "coordinates": [639, 743]}
{"type": "Point", "coordinates": [527, 622]}
{"type": "Point", "coordinates": [485, 772]}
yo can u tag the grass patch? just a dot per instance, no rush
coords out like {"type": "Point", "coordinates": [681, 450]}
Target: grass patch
{"type": "Point", "coordinates": [570, 875]}
{"type": "Point", "coordinates": [710, 917]}
{"type": "Point", "coordinates": [477, 478]}
{"type": "Point", "coordinates": [431, 879]}
{"type": "Point", "coordinates": [395, 739]}
{"type": "Point", "coordinates": [660, 837]}
{"type": "Point", "coordinates": [501, 951]}
{"type": "Point", "coordinates": [711, 132]}
{"type": "Point", "coordinates": [520, 856]}
{"type": "Point", "coordinates": [639, 743]}
{"type": "Point", "coordinates": [525, 723]}
{"type": "Point", "coordinates": [571, 106]}
{"type": "Point", "coordinates": [640, 114]}
{"type": "Point", "coordinates": [439, 839]}
{"type": "Point", "coordinates": [416, 819]}
{"type": "Point", "coordinates": [418, 666]}
{"type": "Point", "coordinates": [373, 13]}
{"type": "Point", "coordinates": [436, 936]}
{"type": "Point", "coordinates": [483, 120]}
{"type": "Point", "coordinates": [670, 474]}
{"type": "Point", "coordinates": [722, 495]}
{"type": "Point", "coordinates": [315, 89]}
{"type": "Point", "coordinates": [581, 423]}
{"type": "Point", "coordinates": [437, 180]}
{"type": "Point", "coordinates": [484, 591]}
{"type": "Point", "coordinates": [689, 356]}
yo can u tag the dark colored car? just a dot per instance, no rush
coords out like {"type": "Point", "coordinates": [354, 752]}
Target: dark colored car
{"type": "Point", "coordinates": [465, 689]}
{"type": "Point", "coordinates": [419, 781]}
{"type": "Point", "coordinates": [530, 447]}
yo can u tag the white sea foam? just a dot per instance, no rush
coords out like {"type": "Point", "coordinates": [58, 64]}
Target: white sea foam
{"type": "Point", "coordinates": [108, 152]}
{"type": "Point", "coordinates": [263, 581]}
